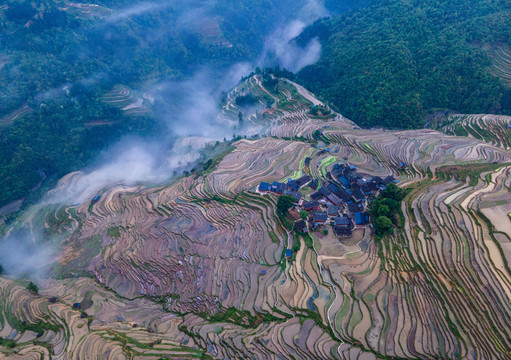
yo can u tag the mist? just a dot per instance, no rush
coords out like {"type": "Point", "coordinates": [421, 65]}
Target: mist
{"type": "Point", "coordinates": [22, 254]}
{"type": "Point", "coordinates": [189, 110]}
{"type": "Point", "coordinates": [280, 46]}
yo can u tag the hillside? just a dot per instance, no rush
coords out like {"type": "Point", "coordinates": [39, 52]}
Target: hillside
{"type": "Point", "coordinates": [197, 268]}
{"type": "Point", "coordinates": [62, 65]}
{"type": "Point", "coordinates": [392, 63]}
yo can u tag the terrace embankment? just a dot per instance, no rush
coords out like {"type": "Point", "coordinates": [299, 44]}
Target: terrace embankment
{"type": "Point", "coordinates": [197, 269]}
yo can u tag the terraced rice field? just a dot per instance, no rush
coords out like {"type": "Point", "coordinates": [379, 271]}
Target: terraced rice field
{"type": "Point", "coordinates": [196, 268]}
{"type": "Point", "coordinates": [501, 56]}
{"type": "Point", "coordinates": [494, 129]}
{"type": "Point", "coordinates": [122, 97]}
{"type": "Point", "coordinates": [9, 119]}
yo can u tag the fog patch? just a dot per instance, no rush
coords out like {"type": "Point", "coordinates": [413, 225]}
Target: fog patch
{"type": "Point", "coordinates": [23, 255]}
{"type": "Point", "coordinates": [281, 47]}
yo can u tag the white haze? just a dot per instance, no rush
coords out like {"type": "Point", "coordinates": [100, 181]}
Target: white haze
{"type": "Point", "coordinates": [140, 161]}
{"type": "Point", "coordinates": [281, 47]}
{"type": "Point", "coordinates": [22, 255]}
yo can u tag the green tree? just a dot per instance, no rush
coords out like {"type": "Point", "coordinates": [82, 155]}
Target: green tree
{"type": "Point", "coordinates": [33, 287]}
{"type": "Point", "coordinates": [383, 226]}
{"type": "Point", "coordinates": [383, 210]}
{"type": "Point", "coordinates": [304, 214]}
{"type": "Point", "coordinates": [284, 203]}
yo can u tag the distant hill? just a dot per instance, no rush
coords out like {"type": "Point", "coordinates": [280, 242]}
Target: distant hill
{"type": "Point", "coordinates": [392, 62]}
{"type": "Point", "coordinates": [62, 62]}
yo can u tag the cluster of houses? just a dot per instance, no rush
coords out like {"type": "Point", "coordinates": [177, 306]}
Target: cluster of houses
{"type": "Point", "coordinates": [341, 201]}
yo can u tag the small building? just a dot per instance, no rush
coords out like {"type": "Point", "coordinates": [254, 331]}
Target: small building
{"type": "Point", "coordinates": [320, 218]}
{"type": "Point", "coordinates": [324, 191]}
{"type": "Point", "coordinates": [334, 199]}
{"type": "Point", "coordinates": [52, 300]}
{"type": "Point", "coordinates": [343, 221]}
{"type": "Point", "coordinates": [332, 211]}
{"type": "Point", "coordinates": [311, 205]}
{"type": "Point", "coordinates": [264, 187]}
{"type": "Point", "coordinates": [377, 180]}
{"type": "Point", "coordinates": [95, 199]}
{"type": "Point", "coordinates": [314, 184]}
{"type": "Point", "coordinates": [301, 226]}
{"type": "Point", "coordinates": [297, 196]}
{"type": "Point", "coordinates": [289, 253]}
{"type": "Point", "coordinates": [304, 180]}
{"type": "Point", "coordinates": [402, 165]}
{"type": "Point", "coordinates": [353, 168]}
{"type": "Point", "coordinates": [353, 207]}
{"type": "Point", "coordinates": [358, 195]}
{"type": "Point", "coordinates": [77, 306]}
{"type": "Point", "coordinates": [263, 272]}
{"type": "Point", "coordinates": [334, 188]}
{"type": "Point", "coordinates": [388, 180]}
{"type": "Point", "coordinates": [344, 181]}
{"type": "Point", "coordinates": [278, 188]}
{"type": "Point", "coordinates": [317, 196]}
{"type": "Point", "coordinates": [361, 218]}
{"type": "Point", "coordinates": [342, 231]}
{"type": "Point", "coordinates": [293, 185]}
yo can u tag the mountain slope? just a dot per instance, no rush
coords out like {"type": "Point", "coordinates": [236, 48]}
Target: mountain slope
{"type": "Point", "coordinates": [390, 63]}
{"type": "Point", "coordinates": [61, 63]}
{"type": "Point", "coordinates": [196, 268]}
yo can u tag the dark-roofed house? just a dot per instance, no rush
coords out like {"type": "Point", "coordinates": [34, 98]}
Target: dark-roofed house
{"type": "Point", "coordinates": [377, 180]}
{"type": "Point", "coordinates": [297, 196]}
{"type": "Point", "coordinates": [371, 185]}
{"type": "Point", "coordinates": [264, 187]}
{"type": "Point", "coordinates": [353, 207]}
{"type": "Point", "coordinates": [357, 194]}
{"type": "Point", "coordinates": [361, 218]}
{"type": "Point", "coordinates": [304, 180]}
{"type": "Point", "coordinates": [307, 161]}
{"type": "Point", "coordinates": [342, 231]}
{"type": "Point", "coordinates": [389, 179]}
{"type": "Point", "coordinates": [324, 191]}
{"type": "Point", "coordinates": [278, 188]}
{"type": "Point", "coordinates": [344, 221]}
{"type": "Point", "coordinates": [353, 167]}
{"type": "Point", "coordinates": [320, 218]}
{"type": "Point", "coordinates": [301, 226]}
{"type": "Point", "coordinates": [337, 172]}
{"type": "Point", "coordinates": [289, 253]}
{"type": "Point", "coordinates": [333, 211]}
{"type": "Point", "coordinates": [310, 205]}
{"type": "Point", "coordinates": [314, 184]}
{"type": "Point", "coordinates": [344, 181]}
{"type": "Point", "coordinates": [334, 199]}
{"type": "Point", "coordinates": [316, 196]}
{"type": "Point", "coordinates": [293, 185]}
{"type": "Point", "coordinates": [333, 188]}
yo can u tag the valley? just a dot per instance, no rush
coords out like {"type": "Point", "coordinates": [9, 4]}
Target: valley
{"type": "Point", "coordinates": [196, 267]}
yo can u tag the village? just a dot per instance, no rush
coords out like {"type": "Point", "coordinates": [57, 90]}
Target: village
{"type": "Point", "coordinates": [340, 201]}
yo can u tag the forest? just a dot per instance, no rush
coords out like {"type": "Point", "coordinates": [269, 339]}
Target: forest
{"type": "Point", "coordinates": [395, 61]}
{"type": "Point", "coordinates": [59, 59]}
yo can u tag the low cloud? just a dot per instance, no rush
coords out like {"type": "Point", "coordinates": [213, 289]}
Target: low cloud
{"type": "Point", "coordinates": [280, 46]}
{"type": "Point", "coordinates": [24, 255]}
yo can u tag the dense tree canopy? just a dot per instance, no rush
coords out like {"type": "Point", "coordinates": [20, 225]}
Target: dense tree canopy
{"type": "Point", "coordinates": [390, 63]}
{"type": "Point", "coordinates": [59, 61]}
{"type": "Point", "coordinates": [385, 210]}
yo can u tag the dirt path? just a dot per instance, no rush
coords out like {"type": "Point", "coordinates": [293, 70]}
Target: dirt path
{"type": "Point", "coordinates": [303, 92]}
